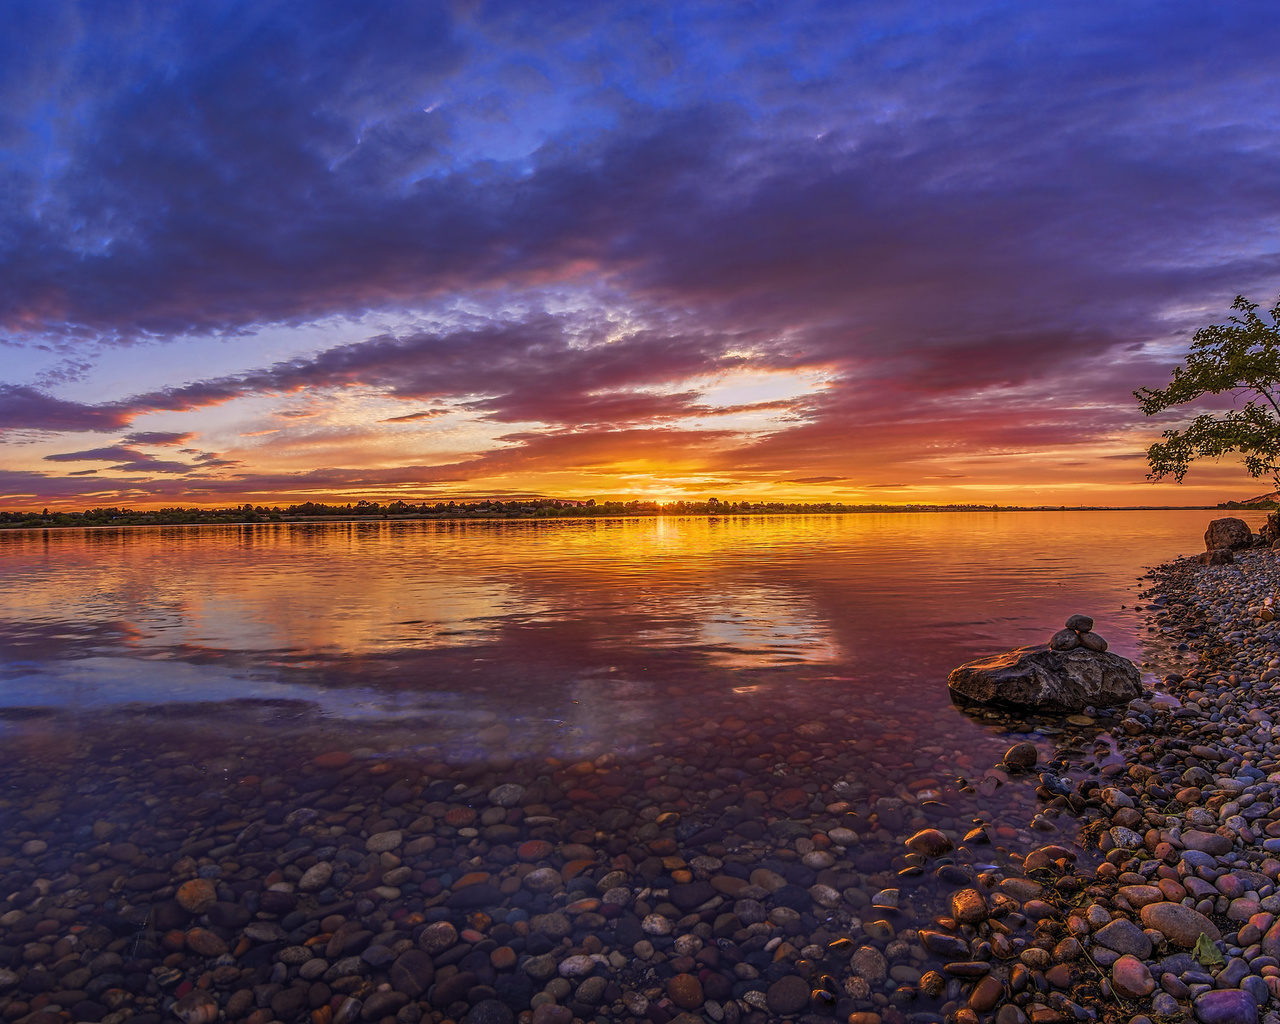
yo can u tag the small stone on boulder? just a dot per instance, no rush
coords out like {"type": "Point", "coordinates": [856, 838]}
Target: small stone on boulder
{"type": "Point", "coordinates": [1093, 642]}
{"type": "Point", "coordinates": [1080, 623]}
{"type": "Point", "coordinates": [1064, 640]}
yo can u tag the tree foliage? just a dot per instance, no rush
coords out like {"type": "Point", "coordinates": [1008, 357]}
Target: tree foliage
{"type": "Point", "coordinates": [1241, 356]}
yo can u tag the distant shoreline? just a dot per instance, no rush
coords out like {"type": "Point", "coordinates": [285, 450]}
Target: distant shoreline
{"type": "Point", "coordinates": [119, 518]}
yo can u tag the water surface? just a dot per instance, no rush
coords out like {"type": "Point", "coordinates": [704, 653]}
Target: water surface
{"type": "Point", "coordinates": [737, 690]}
{"type": "Point", "coordinates": [597, 625]}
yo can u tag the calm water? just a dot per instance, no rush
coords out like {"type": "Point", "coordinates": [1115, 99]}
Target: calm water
{"type": "Point", "coordinates": [584, 633]}
{"type": "Point", "coordinates": [735, 692]}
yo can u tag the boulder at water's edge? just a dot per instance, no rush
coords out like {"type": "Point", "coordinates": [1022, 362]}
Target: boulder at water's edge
{"type": "Point", "coordinates": [1227, 533]}
{"type": "Point", "coordinates": [1047, 680]}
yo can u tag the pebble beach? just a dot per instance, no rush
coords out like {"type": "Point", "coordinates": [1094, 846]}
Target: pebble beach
{"type": "Point", "coordinates": [1110, 867]}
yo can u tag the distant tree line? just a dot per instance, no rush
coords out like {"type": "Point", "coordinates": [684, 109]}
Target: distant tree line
{"type": "Point", "coordinates": [528, 508]}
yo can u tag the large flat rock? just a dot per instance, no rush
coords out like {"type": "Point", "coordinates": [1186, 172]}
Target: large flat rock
{"type": "Point", "coordinates": [1043, 679]}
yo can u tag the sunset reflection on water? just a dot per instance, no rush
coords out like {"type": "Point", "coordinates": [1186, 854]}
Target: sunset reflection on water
{"type": "Point", "coordinates": [602, 621]}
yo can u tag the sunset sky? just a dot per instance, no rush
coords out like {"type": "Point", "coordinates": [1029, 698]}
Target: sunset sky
{"type": "Point", "coordinates": [858, 251]}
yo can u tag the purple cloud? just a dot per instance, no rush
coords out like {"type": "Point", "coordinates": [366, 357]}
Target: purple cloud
{"type": "Point", "coordinates": [26, 408]}
{"type": "Point", "coordinates": [127, 459]}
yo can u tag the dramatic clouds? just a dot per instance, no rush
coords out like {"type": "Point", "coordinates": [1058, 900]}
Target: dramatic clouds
{"type": "Point", "coordinates": [877, 250]}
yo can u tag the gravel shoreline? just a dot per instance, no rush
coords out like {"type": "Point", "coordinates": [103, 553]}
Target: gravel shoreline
{"type": "Point", "coordinates": [741, 874]}
{"type": "Point", "coordinates": [1190, 822]}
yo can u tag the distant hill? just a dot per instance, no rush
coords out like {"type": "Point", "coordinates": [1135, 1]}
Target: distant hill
{"type": "Point", "coordinates": [1261, 502]}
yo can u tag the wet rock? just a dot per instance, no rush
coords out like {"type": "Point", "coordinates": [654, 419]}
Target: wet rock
{"type": "Point", "coordinates": [384, 842]}
{"type": "Point", "coordinates": [509, 794]}
{"type": "Point", "coordinates": [438, 937]}
{"type": "Point", "coordinates": [685, 990]}
{"type": "Point", "coordinates": [969, 906]}
{"type": "Point", "coordinates": [196, 1007]}
{"type": "Point", "coordinates": [1022, 755]}
{"type": "Point", "coordinates": [986, 994]}
{"type": "Point", "coordinates": [1046, 680]}
{"type": "Point", "coordinates": [316, 877]}
{"type": "Point", "coordinates": [869, 963]}
{"type": "Point", "coordinates": [197, 895]}
{"type": "Point", "coordinates": [411, 973]}
{"type": "Point", "coordinates": [787, 995]}
{"type": "Point", "coordinates": [488, 1011]}
{"type": "Point", "coordinates": [930, 842]}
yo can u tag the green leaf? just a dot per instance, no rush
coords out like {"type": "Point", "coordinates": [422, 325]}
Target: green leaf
{"type": "Point", "coordinates": [1206, 953]}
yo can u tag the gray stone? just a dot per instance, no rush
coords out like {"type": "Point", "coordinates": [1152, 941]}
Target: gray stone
{"type": "Point", "coordinates": [412, 973]}
{"type": "Point", "coordinates": [788, 995]}
{"type": "Point", "coordinates": [1048, 680]}
{"type": "Point", "coordinates": [509, 794]}
{"type": "Point", "coordinates": [1064, 640]}
{"type": "Point", "coordinates": [489, 1011]}
{"type": "Point", "coordinates": [1093, 642]}
{"type": "Point", "coordinates": [1124, 937]}
{"type": "Point", "coordinates": [1079, 623]}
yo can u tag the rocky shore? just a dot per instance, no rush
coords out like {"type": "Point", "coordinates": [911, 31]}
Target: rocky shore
{"type": "Point", "coordinates": [745, 871]}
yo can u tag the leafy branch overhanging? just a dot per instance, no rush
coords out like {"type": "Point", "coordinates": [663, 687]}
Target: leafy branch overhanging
{"type": "Point", "coordinates": [1241, 356]}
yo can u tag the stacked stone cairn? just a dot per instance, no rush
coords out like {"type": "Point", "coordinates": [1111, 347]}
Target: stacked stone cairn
{"type": "Point", "coordinates": [1078, 632]}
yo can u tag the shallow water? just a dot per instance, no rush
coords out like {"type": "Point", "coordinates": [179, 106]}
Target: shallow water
{"type": "Point", "coordinates": [733, 688]}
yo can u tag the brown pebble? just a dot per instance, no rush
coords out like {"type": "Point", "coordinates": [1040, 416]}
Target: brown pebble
{"type": "Point", "coordinates": [503, 958]}
{"type": "Point", "coordinates": [197, 895]}
{"type": "Point", "coordinates": [968, 906]}
{"type": "Point", "coordinates": [986, 994]}
{"type": "Point", "coordinates": [685, 990]}
{"type": "Point", "coordinates": [1059, 976]}
{"type": "Point", "coordinates": [205, 943]}
{"type": "Point", "coordinates": [1022, 755]}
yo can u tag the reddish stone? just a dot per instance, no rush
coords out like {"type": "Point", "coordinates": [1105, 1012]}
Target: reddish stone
{"type": "Point", "coordinates": [986, 994]}
{"type": "Point", "coordinates": [205, 943]}
{"type": "Point", "coordinates": [685, 991]}
{"type": "Point", "coordinates": [534, 850]}
{"type": "Point", "coordinates": [575, 868]}
{"type": "Point", "coordinates": [790, 799]}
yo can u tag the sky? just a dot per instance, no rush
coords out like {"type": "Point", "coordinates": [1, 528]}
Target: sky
{"type": "Point", "coordinates": [855, 251]}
